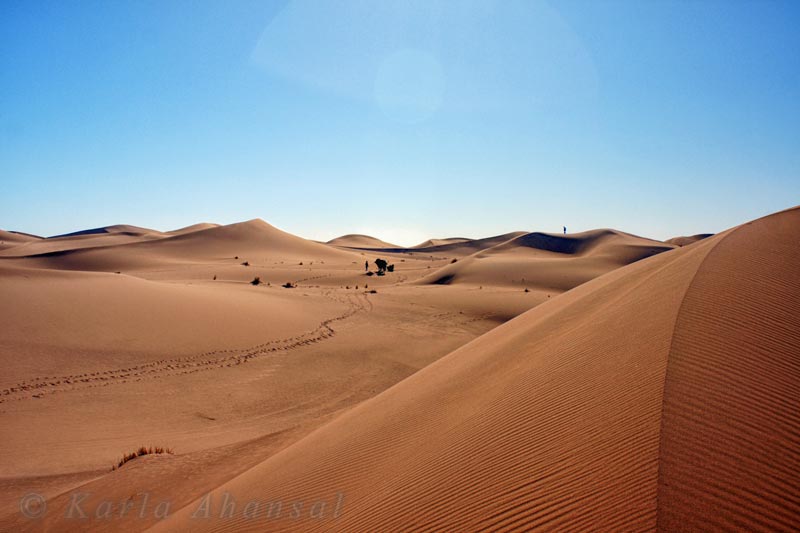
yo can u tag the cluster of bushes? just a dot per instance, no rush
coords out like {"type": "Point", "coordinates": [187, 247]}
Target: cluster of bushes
{"type": "Point", "coordinates": [140, 452]}
{"type": "Point", "coordinates": [383, 267]}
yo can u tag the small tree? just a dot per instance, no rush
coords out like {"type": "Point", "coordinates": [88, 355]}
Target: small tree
{"type": "Point", "coordinates": [256, 281]}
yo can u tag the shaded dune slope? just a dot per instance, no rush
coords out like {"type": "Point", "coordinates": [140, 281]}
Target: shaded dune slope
{"type": "Point", "coordinates": [549, 261]}
{"type": "Point", "coordinates": [661, 395]}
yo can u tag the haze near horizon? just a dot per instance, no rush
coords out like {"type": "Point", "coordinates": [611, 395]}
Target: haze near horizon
{"type": "Point", "coordinates": [404, 121]}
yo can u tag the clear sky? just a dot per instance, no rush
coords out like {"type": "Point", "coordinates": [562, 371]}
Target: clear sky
{"type": "Point", "coordinates": [405, 120]}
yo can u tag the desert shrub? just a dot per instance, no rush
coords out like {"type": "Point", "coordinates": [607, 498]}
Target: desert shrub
{"type": "Point", "coordinates": [381, 273]}
{"type": "Point", "coordinates": [390, 268]}
{"type": "Point", "coordinates": [381, 264]}
{"type": "Point", "coordinates": [246, 263]}
{"type": "Point", "coordinates": [301, 263]}
{"type": "Point", "coordinates": [372, 291]}
{"type": "Point", "coordinates": [143, 450]}
{"type": "Point", "coordinates": [526, 289]}
{"type": "Point", "coordinates": [215, 277]}
{"type": "Point", "coordinates": [370, 273]}
{"type": "Point", "coordinates": [453, 261]}
{"type": "Point", "coordinates": [288, 285]}
{"type": "Point", "coordinates": [256, 281]}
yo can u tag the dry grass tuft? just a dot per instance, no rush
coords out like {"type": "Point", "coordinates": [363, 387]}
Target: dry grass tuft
{"type": "Point", "coordinates": [143, 450]}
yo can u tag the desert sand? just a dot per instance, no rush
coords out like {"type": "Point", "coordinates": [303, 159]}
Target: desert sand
{"type": "Point", "coordinates": [529, 381]}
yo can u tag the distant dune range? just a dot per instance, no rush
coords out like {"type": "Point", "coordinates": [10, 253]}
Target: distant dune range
{"type": "Point", "coordinates": [660, 396]}
{"type": "Point", "coordinates": [548, 261]}
{"type": "Point", "coordinates": [635, 384]}
{"type": "Point", "coordinates": [130, 250]}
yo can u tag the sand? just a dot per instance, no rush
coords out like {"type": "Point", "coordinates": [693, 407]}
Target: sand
{"type": "Point", "coordinates": [549, 262]}
{"type": "Point", "coordinates": [360, 241]}
{"type": "Point", "coordinates": [687, 240]}
{"type": "Point", "coordinates": [637, 385]}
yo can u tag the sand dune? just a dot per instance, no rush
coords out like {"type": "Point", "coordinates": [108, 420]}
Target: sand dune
{"type": "Point", "coordinates": [193, 228]}
{"type": "Point", "coordinates": [253, 241]}
{"type": "Point", "coordinates": [9, 239]}
{"type": "Point", "coordinates": [685, 241]}
{"type": "Point", "coordinates": [78, 241]}
{"type": "Point", "coordinates": [110, 317]}
{"type": "Point", "coordinates": [17, 237]}
{"type": "Point", "coordinates": [662, 395]}
{"type": "Point", "coordinates": [430, 243]}
{"type": "Point", "coordinates": [456, 247]}
{"type": "Point", "coordinates": [116, 228]}
{"type": "Point", "coordinates": [550, 262]}
{"type": "Point", "coordinates": [354, 240]}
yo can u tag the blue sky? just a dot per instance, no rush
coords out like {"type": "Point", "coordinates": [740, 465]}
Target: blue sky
{"type": "Point", "coordinates": [404, 120]}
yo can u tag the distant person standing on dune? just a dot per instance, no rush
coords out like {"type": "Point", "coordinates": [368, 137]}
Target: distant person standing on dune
{"type": "Point", "coordinates": [565, 230]}
{"type": "Point", "coordinates": [366, 266]}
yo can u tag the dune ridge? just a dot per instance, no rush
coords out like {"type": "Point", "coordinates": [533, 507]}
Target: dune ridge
{"type": "Point", "coordinates": [355, 240]}
{"type": "Point", "coordinates": [441, 242]}
{"type": "Point", "coordinates": [115, 228]}
{"type": "Point", "coordinates": [687, 240]}
{"type": "Point", "coordinates": [194, 227]}
{"type": "Point", "coordinates": [617, 406]}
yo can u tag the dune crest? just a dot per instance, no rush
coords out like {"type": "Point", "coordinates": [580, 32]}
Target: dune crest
{"type": "Point", "coordinates": [686, 241]}
{"type": "Point", "coordinates": [354, 240]}
{"type": "Point", "coordinates": [430, 243]}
